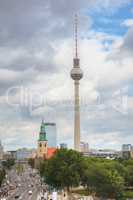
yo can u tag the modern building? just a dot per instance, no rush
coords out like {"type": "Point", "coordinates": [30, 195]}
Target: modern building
{"type": "Point", "coordinates": [126, 147]}
{"type": "Point", "coordinates": [1, 151]}
{"type": "Point", "coordinates": [24, 154]}
{"type": "Point", "coordinates": [127, 151]}
{"type": "Point", "coordinates": [13, 154]}
{"type": "Point", "coordinates": [63, 146]}
{"type": "Point", "coordinates": [84, 147]}
{"type": "Point", "coordinates": [7, 155]}
{"type": "Point", "coordinates": [51, 134]}
{"type": "Point", "coordinates": [76, 75]}
{"type": "Point", "coordinates": [103, 153]}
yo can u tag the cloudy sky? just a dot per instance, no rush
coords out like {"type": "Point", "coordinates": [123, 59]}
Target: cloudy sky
{"type": "Point", "coordinates": [36, 52]}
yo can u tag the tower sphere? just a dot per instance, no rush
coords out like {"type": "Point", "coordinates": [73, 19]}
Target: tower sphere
{"type": "Point", "coordinates": [76, 73]}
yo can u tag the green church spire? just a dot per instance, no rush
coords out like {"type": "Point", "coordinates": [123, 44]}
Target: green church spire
{"type": "Point", "coordinates": [42, 134]}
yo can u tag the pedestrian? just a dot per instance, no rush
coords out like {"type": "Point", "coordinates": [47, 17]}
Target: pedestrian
{"type": "Point", "coordinates": [54, 196]}
{"type": "Point", "coordinates": [45, 195]}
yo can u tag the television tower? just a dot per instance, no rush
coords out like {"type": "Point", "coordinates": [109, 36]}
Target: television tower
{"type": "Point", "coordinates": [76, 75]}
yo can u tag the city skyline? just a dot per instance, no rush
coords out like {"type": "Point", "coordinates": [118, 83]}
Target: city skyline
{"type": "Point", "coordinates": [36, 55]}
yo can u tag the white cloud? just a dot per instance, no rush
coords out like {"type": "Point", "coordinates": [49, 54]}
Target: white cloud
{"type": "Point", "coordinates": [128, 22]}
{"type": "Point", "coordinates": [55, 88]}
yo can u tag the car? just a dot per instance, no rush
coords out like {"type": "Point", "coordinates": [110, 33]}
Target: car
{"type": "Point", "coordinates": [17, 196]}
{"type": "Point", "coordinates": [11, 187]}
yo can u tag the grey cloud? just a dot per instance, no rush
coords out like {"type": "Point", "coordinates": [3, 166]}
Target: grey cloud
{"type": "Point", "coordinates": [126, 49]}
{"type": "Point", "coordinates": [108, 121]}
{"type": "Point", "coordinates": [20, 21]}
{"type": "Point", "coordinates": [10, 79]}
{"type": "Point", "coordinates": [26, 24]}
{"type": "Point", "coordinates": [27, 31]}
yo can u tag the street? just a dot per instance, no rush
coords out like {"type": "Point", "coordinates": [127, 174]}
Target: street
{"type": "Point", "coordinates": [24, 185]}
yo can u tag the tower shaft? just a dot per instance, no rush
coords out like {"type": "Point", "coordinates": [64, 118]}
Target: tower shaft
{"type": "Point", "coordinates": [77, 117]}
{"type": "Point", "coordinates": [76, 75]}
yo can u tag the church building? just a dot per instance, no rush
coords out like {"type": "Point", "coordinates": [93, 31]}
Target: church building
{"type": "Point", "coordinates": [43, 150]}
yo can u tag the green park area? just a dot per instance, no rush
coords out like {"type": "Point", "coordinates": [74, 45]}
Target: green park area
{"type": "Point", "coordinates": [69, 170]}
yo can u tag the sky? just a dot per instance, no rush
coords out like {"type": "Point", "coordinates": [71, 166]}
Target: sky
{"type": "Point", "coordinates": [36, 57]}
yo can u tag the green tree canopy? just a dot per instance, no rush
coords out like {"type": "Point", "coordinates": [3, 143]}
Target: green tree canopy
{"type": "Point", "coordinates": [103, 179]}
{"type": "Point", "coordinates": [63, 170]}
{"type": "Point", "coordinates": [31, 162]}
{"type": "Point", "coordinates": [128, 164]}
{"type": "Point", "coordinates": [8, 163]}
{"type": "Point", "coordinates": [2, 176]}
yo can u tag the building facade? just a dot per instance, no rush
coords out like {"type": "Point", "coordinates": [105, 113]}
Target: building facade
{"type": "Point", "coordinates": [43, 149]}
{"type": "Point", "coordinates": [51, 134]}
{"type": "Point", "coordinates": [13, 154]}
{"type": "Point", "coordinates": [126, 147]}
{"type": "Point", "coordinates": [101, 153]}
{"type": "Point", "coordinates": [63, 146]}
{"type": "Point", "coordinates": [42, 142]}
{"type": "Point", "coordinates": [127, 151]}
{"type": "Point", "coordinates": [23, 154]}
{"type": "Point", "coordinates": [84, 147]}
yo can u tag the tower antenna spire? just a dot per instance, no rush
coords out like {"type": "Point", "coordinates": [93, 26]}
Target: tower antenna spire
{"type": "Point", "coordinates": [76, 35]}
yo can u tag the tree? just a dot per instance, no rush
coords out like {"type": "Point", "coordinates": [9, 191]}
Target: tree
{"type": "Point", "coordinates": [8, 163]}
{"type": "Point", "coordinates": [128, 172]}
{"type": "Point", "coordinates": [68, 168]}
{"type": "Point", "coordinates": [2, 176]}
{"type": "Point", "coordinates": [19, 168]}
{"type": "Point", "coordinates": [103, 181]}
{"type": "Point", "coordinates": [43, 167]}
{"type": "Point", "coordinates": [63, 170]}
{"type": "Point", "coordinates": [31, 162]}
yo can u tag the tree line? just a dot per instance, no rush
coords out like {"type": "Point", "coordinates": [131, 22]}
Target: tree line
{"type": "Point", "coordinates": [5, 165]}
{"type": "Point", "coordinates": [2, 175]}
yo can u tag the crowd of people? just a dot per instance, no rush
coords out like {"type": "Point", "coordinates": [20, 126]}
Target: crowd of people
{"type": "Point", "coordinates": [54, 195]}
